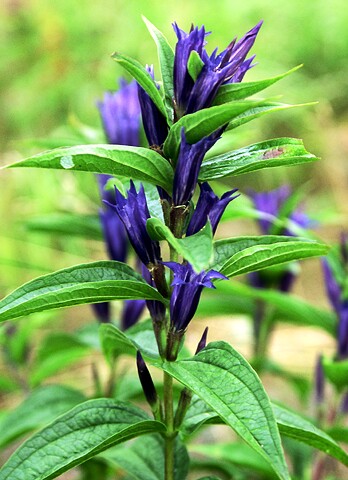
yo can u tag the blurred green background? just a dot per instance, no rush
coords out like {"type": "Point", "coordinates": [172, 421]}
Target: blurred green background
{"type": "Point", "coordinates": [55, 65]}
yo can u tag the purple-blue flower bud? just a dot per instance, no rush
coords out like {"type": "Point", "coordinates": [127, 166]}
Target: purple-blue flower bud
{"type": "Point", "coordinates": [188, 166]}
{"type": "Point", "coordinates": [102, 312]}
{"type": "Point", "coordinates": [146, 381]}
{"type": "Point", "coordinates": [132, 310]}
{"type": "Point", "coordinates": [134, 213]}
{"type": "Point", "coordinates": [209, 206]}
{"type": "Point", "coordinates": [187, 288]}
{"type": "Point", "coordinates": [203, 341]}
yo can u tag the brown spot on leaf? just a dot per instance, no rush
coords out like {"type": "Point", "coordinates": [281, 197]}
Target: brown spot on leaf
{"type": "Point", "coordinates": [275, 152]}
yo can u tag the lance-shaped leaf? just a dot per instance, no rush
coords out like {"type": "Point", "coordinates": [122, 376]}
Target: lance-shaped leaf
{"type": "Point", "coordinates": [197, 249]}
{"type": "Point", "coordinates": [42, 406]}
{"type": "Point", "coordinates": [75, 437]}
{"type": "Point", "coordinates": [133, 162]}
{"type": "Point", "coordinates": [139, 337]}
{"type": "Point", "coordinates": [204, 122]}
{"type": "Point", "coordinates": [144, 458]}
{"type": "Point", "coordinates": [166, 61]}
{"type": "Point", "coordinates": [260, 110]}
{"type": "Point", "coordinates": [240, 90]}
{"type": "Point", "coordinates": [86, 283]}
{"type": "Point", "coordinates": [249, 254]}
{"type": "Point", "coordinates": [239, 400]}
{"type": "Point", "coordinates": [298, 428]}
{"type": "Point", "coordinates": [143, 77]}
{"type": "Point", "coordinates": [70, 224]}
{"type": "Point", "coordinates": [272, 153]}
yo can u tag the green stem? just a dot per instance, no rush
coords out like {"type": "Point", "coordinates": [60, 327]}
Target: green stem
{"type": "Point", "coordinates": [169, 421]}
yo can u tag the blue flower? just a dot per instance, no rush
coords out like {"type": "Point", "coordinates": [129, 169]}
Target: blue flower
{"type": "Point", "coordinates": [155, 124]}
{"type": "Point", "coordinates": [120, 114]}
{"type": "Point", "coordinates": [188, 166]}
{"type": "Point", "coordinates": [209, 206]}
{"type": "Point", "coordinates": [134, 213]}
{"type": "Point", "coordinates": [271, 204]}
{"type": "Point", "coordinates": [132, 310]}
{"type": "Point", "coordinates": [229, 66]}
{"type": "Point", "coordinates": [187, 288]}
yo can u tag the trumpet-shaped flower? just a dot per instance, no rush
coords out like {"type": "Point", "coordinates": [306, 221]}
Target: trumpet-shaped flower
{"type": "Point", "coordinates": [209, 206]}
{"type": "Point", "coordinates": [134, 213]}
{"type": "Point", "coordinates": [188, 166]}
{"type": "Point", "coordinates": [187, 288]}
{"type": "Point", "coordinates": [229, 66]}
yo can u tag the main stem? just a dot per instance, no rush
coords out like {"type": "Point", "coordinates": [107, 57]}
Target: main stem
{"type": "Point", "coordinates": [169, 421]}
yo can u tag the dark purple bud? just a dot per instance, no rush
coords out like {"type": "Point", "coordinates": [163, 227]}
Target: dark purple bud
{"type": "Point", "coordinates": [120, 114]}
{"type": "Point", "coordinates": [342, 333]}
{"type": "Point", "coordinates": [146, 381]}
{"type": "Point", "coordinates": [203, 341]}
{"type": "Point", "coordinates": [155, 124]}
{"type": "Point", "coordinates": [287, 280]}
{"type": "Point", "coordinates": [187, 288]}
{"type": "Point", "coordinates": [188, 166]}
{"type": "Point", "coordinates": [183, 82]}
{"type": "Point", "coordinates": [102, 312]}
{"type": "Point", "coordinates": [134, 213]}
{"type": "Point", "coordinates": [157, 309]}
{"type": "Point", "coordinates": [319, 380]}
{"type": "Point", "coordinates": [209, 206]}
{"type": "Point", "coordinates": [229, 66]}
{"type": "Point", "coordinates": [132, 310]}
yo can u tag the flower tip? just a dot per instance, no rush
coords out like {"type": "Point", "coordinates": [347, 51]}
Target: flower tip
{"type": "Point", "coordinates": [203, 341]}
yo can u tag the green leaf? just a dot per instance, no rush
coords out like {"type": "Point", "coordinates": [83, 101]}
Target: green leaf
{"type": "Point", "coordinates": [140, 337]}
{"type": "Point", "coordinates": [260, 110]}
{"type": "Point", "coordinates": [298, 428]}
{"type": "Point", "coordinates": [69, 224]}
{"type": "Point", "coordinates": [56, 352]}
{"type": "Point", "coordinates": [41, 407]}
{"type": "Point", "coordinates": [133, 162]}
{"type": "Point", "coordinates": [195, 65]}
{"type": "Point", "coordinates": [143, 77]}
{"type": "Point", "coordinates": [239, 400]}
{"type": "Point", "coordinates": [204, 122]}
{"type": "Point", "coordinates": [238, 91]}
{"type": "Point", "coordinates": [85, 283]}
{"type": "Point", "coordinates": [339, 434]}
{"type": "Point", "coordinates": [196, 249]}
{"type": "Point", "coordinates": [271, 153]}
{"type": "Point", "coordinates": [166, 61]}
{"type": "Point", "coordinates": [288, 308]}
{"type": "Point", "coordinates": [144, 458]}
{"type": "Point", "coordinates": [240, 255]}
{"type": "Point", "coordinates": [336, 372]}
{"type": "Point", "coordinates": [77, 436]}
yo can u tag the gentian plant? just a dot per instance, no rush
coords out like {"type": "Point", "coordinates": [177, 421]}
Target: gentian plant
{"type": "Point", "coordinates": [199, 97]}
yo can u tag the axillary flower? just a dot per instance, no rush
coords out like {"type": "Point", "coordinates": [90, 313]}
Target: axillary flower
{"type": "Point", "coordinates": [229, 66]}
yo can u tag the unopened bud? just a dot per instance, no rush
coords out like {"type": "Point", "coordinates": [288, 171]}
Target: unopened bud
{"type": "Point", "coordinates": [146, 381]}
{"type": "Point", "coordinates": [203, 341]}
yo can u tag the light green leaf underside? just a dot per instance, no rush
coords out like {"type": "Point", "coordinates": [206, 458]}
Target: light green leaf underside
{"type": "Point", "coordinates": [240, 399]}
{"type": "Point", "coordinates": [85, 283]}
{"type": "Point", "coordinates": [271, 153]}
{"type": "Point", "coordinates": [143, 77]}
{"type": "Point", "coordinates": [75, 437]}
{"type": "Point", "coordinates": [196, 249]}
{"type": "Point", "coordinates": [139, 337]}
{"type": "Point", "coordinates": [133, 162]}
